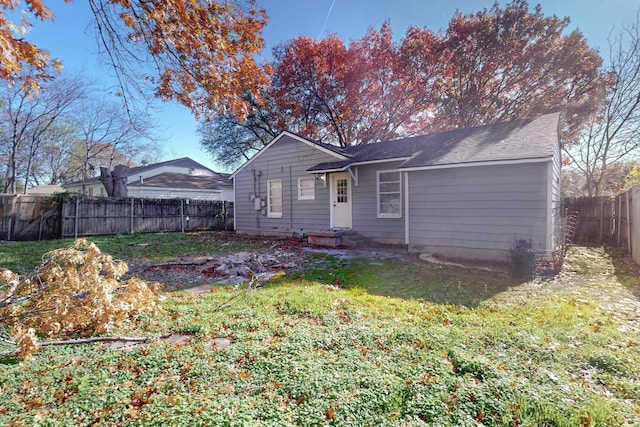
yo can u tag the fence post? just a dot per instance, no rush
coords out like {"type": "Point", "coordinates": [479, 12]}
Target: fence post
{"type": "Point", "coordinates": [40, 226]}
{"type": "Point", "coordinates": [619, 218]}
{"type": "Point", "coordinates": [16, 215]}
{"type": "Point", "coordinates": [10, 225]}
{"type": "Point", "coordinates": [182, 215]}
{"type": "Point", "coordinates": [225, 214]}
{"type": "Point", "coordinates": [601, 218]}
{"type": "Point", "coordinates": [75, 223]}
{"type": "Point", "coordinates": [132, 208]}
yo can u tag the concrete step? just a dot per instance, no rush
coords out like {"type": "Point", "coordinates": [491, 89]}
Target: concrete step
{"type": "Point", "coordinates": [355, 241]}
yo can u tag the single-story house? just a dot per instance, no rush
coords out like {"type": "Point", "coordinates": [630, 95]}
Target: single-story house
{"type": "Point", "coordinates": [45, 190]}
{"type": "Point", "coordinates": [471, 193]}
{"type": "Point", "coordinates": [182, 178]}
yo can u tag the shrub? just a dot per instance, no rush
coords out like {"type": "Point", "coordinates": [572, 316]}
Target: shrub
{"type": "Point", "coordinates": [522, 259]}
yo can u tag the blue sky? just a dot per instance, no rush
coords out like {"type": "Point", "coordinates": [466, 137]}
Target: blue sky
{"type": "Point", "coordinates": [68, 40]}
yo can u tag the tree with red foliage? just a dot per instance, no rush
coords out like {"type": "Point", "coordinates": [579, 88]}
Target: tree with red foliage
{"type": "Point", "coordinates": [492, 66]}
{"type": "Point", "coordinates": [393, 84]}
{"type": "Point", "coordinates": [372, 90]}
{"type": "Point", "coordinates": [310, 87]}
{"type": "Point", "coordinates": [506, 64]}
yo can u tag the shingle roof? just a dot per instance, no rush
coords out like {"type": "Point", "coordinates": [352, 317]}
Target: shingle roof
{"type": "Point", "coordinates": [533, 138]}
{"type": "Point", "coordinates": [179, 180]}
{"type": "Point", "coordinates": [331, 166]}
{"type": "Point", "coordinates": [136, 170]}
{"type": "Point", "coordinates": [334, 148]}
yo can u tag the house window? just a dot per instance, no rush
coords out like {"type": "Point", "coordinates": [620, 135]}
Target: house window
{"type": "Point", "coordinates": [306, 188]}
{"type": "Point", "coordinates": [389, 194]}
{"type": "Point", "coordinates": [274, 198]}
{"type": "Point", "coordinates": [342, 190]}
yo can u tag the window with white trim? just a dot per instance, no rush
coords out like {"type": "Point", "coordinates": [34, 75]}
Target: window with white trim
{"type": "Point", "coordinates": [389, 194]}
{"type": "Point", "coordinates": [306, 188]}
{"type": "Point", "coordinates": [274, 198]}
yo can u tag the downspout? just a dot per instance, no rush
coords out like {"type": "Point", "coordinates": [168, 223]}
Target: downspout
{"type": "Point", "coordinates": [234, 207]}
{"type": "Point", "coordinates": [291, 199]}
{"type": "Point", "coordinates": [549, 237]}
{"type": "Point", "coordinates": [256, 193]}
{"type": "Point", "coordinates": [406, 209]}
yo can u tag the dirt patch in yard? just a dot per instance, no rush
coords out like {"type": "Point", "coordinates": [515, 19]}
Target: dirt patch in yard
{"type": "Point", "coordinates": [266, 259]}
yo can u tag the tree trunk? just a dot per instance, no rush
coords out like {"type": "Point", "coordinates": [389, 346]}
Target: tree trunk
{"type": "Point", "coordinates": [115, 182]}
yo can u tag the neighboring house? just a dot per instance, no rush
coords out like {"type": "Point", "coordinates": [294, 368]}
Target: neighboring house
{"type": "Point", "coordinates": [181, 178]}
{"type": "Point", "coordinates": [468, 193]}
{"type": "Point", "coordinates": [45, 190]}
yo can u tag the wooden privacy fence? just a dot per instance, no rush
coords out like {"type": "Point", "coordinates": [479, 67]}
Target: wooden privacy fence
{"type": "Point", "coordinates": [34, 218]}
{"type": "Point", "coordinates": [608, 220]}
{"type": "Point", "coordinates": [24, 217]}
{"type": "Point", "coordinates": [595, 218]}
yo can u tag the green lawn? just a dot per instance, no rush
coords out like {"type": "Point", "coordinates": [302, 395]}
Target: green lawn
{"type": "Point", "coordinates": [409, 278]}
{"type": "Point", "coordinates": [397, 343]}
{"type": "Point", "coordinates": [25, 256]}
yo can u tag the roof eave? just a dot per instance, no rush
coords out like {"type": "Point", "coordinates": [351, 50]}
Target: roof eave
{"type": "Point", "coordinates": [478, 163]}
{"type": "Point", "coordinates": [329, 170]}
{"type": "Point", "coordinates": [360, 163]}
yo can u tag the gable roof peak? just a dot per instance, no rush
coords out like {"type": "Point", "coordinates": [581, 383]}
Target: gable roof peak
{"type": "Point", "coordinates": [327, 148]}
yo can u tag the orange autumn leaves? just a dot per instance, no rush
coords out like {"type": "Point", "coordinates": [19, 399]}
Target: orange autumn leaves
{"type": "Point", "coordinates": [204, 50]}
{"type": "Point", "coordinates": [201, 52]}
{"type": "Point", "coordinates": [496, 65]}
{"type": "Point", "coordinates": [15, 51]}
{"type": "Point", "coordinates": [499, 64]}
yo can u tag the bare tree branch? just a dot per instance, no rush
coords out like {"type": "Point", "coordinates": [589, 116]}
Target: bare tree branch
{"type": "Point", "coordinates": [612, 135]}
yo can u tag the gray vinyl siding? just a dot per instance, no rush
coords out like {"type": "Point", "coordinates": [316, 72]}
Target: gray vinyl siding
{"type": "Point", "coordinates": [365, 209]}
{"type": "Point", "coordinates": [556, 225]}
{"type": "Point", "coordinates": [287, 160]}
{"type": "Point", "coordinates": [479, 208]}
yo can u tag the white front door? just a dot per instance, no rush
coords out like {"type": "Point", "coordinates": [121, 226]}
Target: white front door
{"type": "Point", "coordinates": [340, 200]}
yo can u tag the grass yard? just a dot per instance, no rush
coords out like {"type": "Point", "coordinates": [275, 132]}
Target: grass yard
{"type": "Point", "coordinates": [408, 278]}
{"type": "Point", "coordinates": [25, 256]}
{"type": "Point", "coordinates": [349, 342]}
